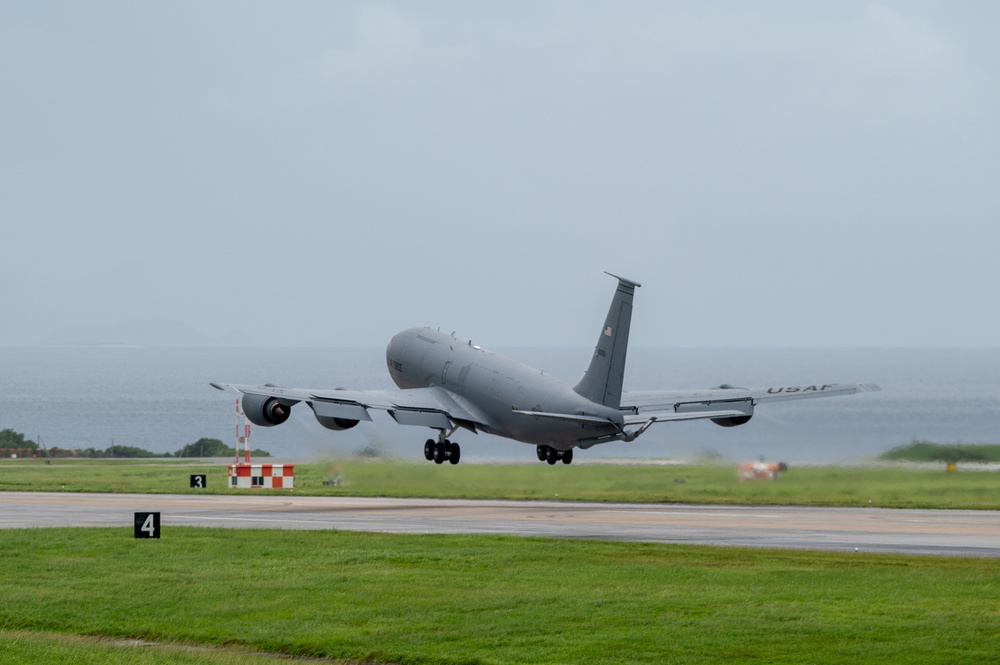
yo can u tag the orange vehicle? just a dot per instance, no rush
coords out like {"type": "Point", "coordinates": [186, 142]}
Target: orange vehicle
{"type": "Point", "coordinates": [761, 470]}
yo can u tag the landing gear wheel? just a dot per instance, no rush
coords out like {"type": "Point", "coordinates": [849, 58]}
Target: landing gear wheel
{"type": "Point", "coordinates": [551, 455]}
{"type": "Point", "coordinates": [567, 456]}
{"type": "Point", "coordinates": [540, 451]}
{"type": "Point", "coordinates": [429, 450]}
{"type": "Point", "coordinates": [440, 452]}
{"type": "Point", "coordinates": [454, 453]}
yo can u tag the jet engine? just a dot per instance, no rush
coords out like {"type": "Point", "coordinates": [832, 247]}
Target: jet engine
{"type": "Point", "coordinates": [265, 411]}
{"type": "Point", "coordinates": [732, 421]}
{"type": "Point", "coordinates": [336, 424]}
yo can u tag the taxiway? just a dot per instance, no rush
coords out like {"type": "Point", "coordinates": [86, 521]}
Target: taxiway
{"type": "Point", "coordinates": [946, 532]}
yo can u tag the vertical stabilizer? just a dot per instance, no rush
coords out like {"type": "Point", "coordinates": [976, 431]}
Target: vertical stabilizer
{"type": "Point", "coordinates": [603, 381]}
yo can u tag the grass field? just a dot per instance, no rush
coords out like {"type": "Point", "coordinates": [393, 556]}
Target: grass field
{"type": "Point", "coordinates": [483, 599]}
{"type": "Point", "coordinates": [882, 486]}
{"type": "Point", "coordinates": [230, 596]}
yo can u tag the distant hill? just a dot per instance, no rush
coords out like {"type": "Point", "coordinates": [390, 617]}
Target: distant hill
{"type": "Point", "coordinates": [924, 451]}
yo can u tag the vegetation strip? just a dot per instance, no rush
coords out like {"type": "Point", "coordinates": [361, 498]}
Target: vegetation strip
{"type": "Point", "coordinates": [883, 486]}
{"type": "Point", "coordinates": [14, 444]}
{"type": "Point", "coordinates": [925, 451]}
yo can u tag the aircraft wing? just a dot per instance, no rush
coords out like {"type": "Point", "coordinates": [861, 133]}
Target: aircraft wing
{"type": "Point", "coordinates": [722, 402]}
{"type": "Point", "coordinates": [426, 407]}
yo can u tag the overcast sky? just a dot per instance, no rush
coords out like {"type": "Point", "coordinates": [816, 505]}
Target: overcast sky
{"type": "Point", "coordinates": [328, 173]}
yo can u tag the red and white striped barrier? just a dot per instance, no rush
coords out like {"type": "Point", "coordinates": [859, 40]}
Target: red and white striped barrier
{"type": "Point", "coordinates": [263, 476]}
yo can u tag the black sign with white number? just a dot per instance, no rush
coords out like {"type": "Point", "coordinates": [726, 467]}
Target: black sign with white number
{"type": "Point", "coordinates": [147, 525]}
{"type": "Point", "coordinates": [199, 480]}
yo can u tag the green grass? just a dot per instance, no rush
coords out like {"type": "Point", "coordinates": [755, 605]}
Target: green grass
{"type": "Point", "coordinates": [70, 595]}
{"type": "Point", "coordinates": [491, 599]}
{"type": "Point", "coordinates": [835, 486]}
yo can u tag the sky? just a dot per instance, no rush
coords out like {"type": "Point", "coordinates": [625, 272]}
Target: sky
{"type": "Point", "coordinates": [325, 174]}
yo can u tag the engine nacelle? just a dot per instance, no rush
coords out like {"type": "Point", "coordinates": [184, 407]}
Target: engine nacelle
{"type": "Point", "coordinates": [732, 421]}
{"type": "Point", "coordinates": [336, 424]}
{"type": "Point", "coordinates": [265, 411]}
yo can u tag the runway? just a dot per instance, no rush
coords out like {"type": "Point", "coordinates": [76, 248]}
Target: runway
{"type": "Point", "coordinates": [944, 532]}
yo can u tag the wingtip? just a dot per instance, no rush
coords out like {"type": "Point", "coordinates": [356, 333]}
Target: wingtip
{"type": "Point", "coordinates": [871, 387]}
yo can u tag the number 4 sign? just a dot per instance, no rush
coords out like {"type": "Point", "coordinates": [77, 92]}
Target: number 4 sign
{"type": "Point", "coordinates": [147, 525]}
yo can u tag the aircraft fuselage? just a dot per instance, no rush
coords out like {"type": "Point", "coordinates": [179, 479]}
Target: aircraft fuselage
{"type": "Point", "coordinates": [494, 388]}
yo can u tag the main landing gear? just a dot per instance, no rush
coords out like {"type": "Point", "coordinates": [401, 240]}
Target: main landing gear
{"type": "Point", "coordinates": [551, 455]}
{"type": "Point", "coordinates": [439, 451]}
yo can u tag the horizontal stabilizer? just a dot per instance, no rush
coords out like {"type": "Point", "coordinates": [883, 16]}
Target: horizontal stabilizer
{"type": "Point", "coordinates": [783, 393]}
{"type": "Point", "coordinates": [671, 416]}
{"type": "Point", "coordinates": [567, 417]}
{"type": "Point", "coordinates": [654, 401]}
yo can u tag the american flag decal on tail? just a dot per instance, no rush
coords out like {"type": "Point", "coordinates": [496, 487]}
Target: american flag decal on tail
{"type": "Point", "coordinates": [607, 331]}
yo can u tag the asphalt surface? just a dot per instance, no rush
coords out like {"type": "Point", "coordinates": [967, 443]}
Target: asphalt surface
{"type": "Point", "coordinates": [938, 532]}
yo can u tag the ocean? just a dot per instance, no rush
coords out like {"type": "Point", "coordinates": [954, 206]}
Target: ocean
{"type": "Point", "coordinates": [160, 399]}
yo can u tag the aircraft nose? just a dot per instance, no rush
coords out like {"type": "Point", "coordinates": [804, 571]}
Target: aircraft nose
{"type": "Point", "coordinates": [395, 351]}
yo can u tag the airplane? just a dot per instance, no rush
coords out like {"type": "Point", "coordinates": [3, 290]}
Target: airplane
{"type": "Point", "coordinates": [448, 384]}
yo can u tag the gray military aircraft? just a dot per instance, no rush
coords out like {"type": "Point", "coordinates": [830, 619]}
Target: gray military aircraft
{"type": "Point", "coordinates": [446, 384]}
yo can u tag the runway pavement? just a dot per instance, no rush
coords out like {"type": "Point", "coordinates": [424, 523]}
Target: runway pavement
{"type": "Point", "coordinates": [947, 532]}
